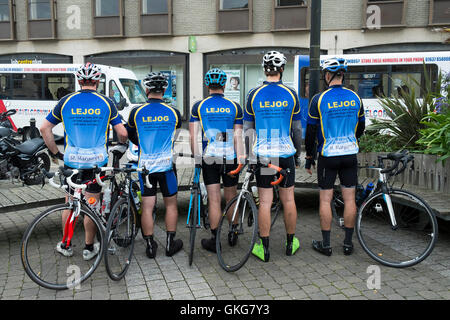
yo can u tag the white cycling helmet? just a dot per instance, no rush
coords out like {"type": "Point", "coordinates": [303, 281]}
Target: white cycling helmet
{"type": "Point", "coordinates": [334, 65]}
{"type": "Point", "coordinates": [89, 71]}
{"type": "Point", "coordinates": [273, 61]}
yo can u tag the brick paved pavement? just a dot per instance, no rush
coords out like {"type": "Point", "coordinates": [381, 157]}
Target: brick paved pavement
{"type": "Point", "coordinates": [307, 275]}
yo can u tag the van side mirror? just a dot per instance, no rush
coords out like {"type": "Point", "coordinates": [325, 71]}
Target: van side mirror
{"type": "Point", "coordinates": [122, 104]}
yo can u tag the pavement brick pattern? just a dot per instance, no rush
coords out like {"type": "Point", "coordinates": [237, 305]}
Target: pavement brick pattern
{"type": "Point", "coordinates": [306, 275]}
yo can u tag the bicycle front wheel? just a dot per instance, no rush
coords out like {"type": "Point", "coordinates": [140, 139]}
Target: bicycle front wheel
{"type": "Point", "coordinates": [119, 239]}
{"type": "Point", "coordinates": [235, 239]}
{"type": "Point", "coordinates": [404, 245]}
{"type": "Point", "coordinates": [193, 221]}
{"type": "Point", "coordinates": [42, 258]}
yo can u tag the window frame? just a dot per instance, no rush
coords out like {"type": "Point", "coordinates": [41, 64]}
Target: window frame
{"type": "Point", "coordinates": [220, 12]}
{"type": "Point", "coordinates": [119, 17]}
{"type": "Point", "coordinates": [11, 22]}
{"type": "Point", "coordinates": [276, 8]}
{"type": "Point", "coordinates": [381, 2]}
{"type": "Point", "coordinates": [32, 24]}
{"type": "Point", "coordinates": [431, 15]}
{"type": "Point", "coordinates": [143, 16]}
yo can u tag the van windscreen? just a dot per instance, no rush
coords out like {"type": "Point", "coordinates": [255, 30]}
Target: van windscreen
{"type": "Point", "coordinates": [134, 91]}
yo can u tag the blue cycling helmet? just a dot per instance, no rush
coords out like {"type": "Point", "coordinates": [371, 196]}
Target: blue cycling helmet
{"type": "Point", "coordinates": [215, 76]}
{"type": "Point", "coordinates": [335, 65]}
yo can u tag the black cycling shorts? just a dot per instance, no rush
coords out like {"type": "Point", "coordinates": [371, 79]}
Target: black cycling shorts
{"type": "Point", "coordinates": [86, 175]}
{"type": "Point", "coordinates": [213, 170]}
{"type": "Point", "coordinates": [265, 176]}
{"type": "Point", "coordinates": [167, 183]}
{"type": "Point", "coordinates": [346, 167]}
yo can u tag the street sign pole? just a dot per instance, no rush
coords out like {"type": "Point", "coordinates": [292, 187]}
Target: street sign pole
{"type": "Point", "coordinates": [314, 51]}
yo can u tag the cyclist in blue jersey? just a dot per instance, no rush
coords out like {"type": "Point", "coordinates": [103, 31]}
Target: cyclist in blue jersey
{"type": "Point", "coordinates": [273, 113]}
{"type": "Point", "coordinates": [336, 119]}
{"type": "Point", "coordinates": [86, 116]}
{"type": "Point", "coordinates": [221, 122]}
{"type": "Point", "coordinates": [153, 128]}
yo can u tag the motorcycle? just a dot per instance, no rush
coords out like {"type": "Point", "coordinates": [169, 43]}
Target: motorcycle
{"type": "Point", "coordinates": [23, 161]}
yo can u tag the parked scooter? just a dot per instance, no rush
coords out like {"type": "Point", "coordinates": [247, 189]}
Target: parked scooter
{"type": "Point", "coordinates": [22, 161]}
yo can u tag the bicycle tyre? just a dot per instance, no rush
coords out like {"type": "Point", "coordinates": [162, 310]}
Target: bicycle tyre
{"type": "Point", "coordinates": [232, 258]}
{"type": "Point", "coordinates": [276, 206]}
{"type": "Point", "coordinates": [193, 221]}
{"type": "Point", "coordinates": [419, 222]}
{"type": "Point", "coordinates": [52, 230]}
{"type": "Point", "coordinates": [117, 261]}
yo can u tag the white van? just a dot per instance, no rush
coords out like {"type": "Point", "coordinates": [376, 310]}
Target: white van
{"type": "Point", "coordinates": [34, 89]}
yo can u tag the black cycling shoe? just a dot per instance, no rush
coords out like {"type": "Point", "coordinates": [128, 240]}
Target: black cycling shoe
{"type": "Point", "coordinates": [348, 249]}
{"type": "Point", "coordinates": [318, 246]}
{"type": "Point", "coordinates": [152, 246]}
{"type": "Point", "coordinates": [175, 246]}
{"type": "Point", "coordinates": [233, 236]}
{"type": "Point", "coordinates": [209, 244]}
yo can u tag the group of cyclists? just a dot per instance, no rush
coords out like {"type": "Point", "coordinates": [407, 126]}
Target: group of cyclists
{"type": "Point", "coordinates": [268, 129]}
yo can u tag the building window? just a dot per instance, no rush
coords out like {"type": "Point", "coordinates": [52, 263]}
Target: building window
{"type": "Point", "coordinates": [384, 13]}
{"type": "Point", "coordinates": [285, 3]}
{"type": "Point", "coordinates": [107, 8]}
{"type": "Point", "coordinates": [234, 16]}
{"type": "Point", "coordinates": [108, 18]}
{"type": "Point", "coordinates": [4, 10]}
{"type": "Point", "coordinates": [39, 10]}
{"type": "Point", "coordinates": [290, 15]}
{"type": "Point", "coordinates": [155, 6]}
{"type": "Point", "coordinates": [233, 4]}
{"type": "Point", "coordinates": [439, 12]}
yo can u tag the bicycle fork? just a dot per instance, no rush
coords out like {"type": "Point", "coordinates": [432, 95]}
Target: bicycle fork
{"type": "Point", "coordinates": [388, 201]}
{"type": "Point", "coordinates": [69, 226]}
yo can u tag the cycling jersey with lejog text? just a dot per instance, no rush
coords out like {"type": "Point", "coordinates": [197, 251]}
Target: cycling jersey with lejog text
{"type": "Point", "coordinates": [155, 124]}
{"type": "Point", "coordinates": [338, 111]}
{"type": "Point", "coordinates": [217, 116]}
{"type": "Point", "coordinates": [273, 106]}
{"type": "Point", "coordinates": [86, 116]}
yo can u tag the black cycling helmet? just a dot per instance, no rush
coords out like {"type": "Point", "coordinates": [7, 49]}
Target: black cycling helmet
{"type": "Point", "coordinates": [273, 61]}
{"type": "Point", "coordinates": [156, 82]}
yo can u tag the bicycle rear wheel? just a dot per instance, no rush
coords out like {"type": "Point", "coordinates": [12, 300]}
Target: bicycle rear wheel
{"type": "Point", "coordinates": [193, 221]}
{"type": "Point", "coordinates": [48, 267]}
{"type": "Point", "coordinates": [235, 239]}
{"type": "Point", "coordinates": [406, 245]}
{"type": "Point", "coordinates": [119, 239]}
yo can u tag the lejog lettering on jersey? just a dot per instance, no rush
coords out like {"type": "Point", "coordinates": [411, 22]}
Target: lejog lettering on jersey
{"type": "Point", "coordinates": [273, 104]}
{"type": "Point", "coordinates": [341, 104]}
{"type": "Point", "coordinates": [87, 111]}
{"type": "Point", "coordinates": [155, 119]}
{"type": "Point", "coordinates": [218, 110]}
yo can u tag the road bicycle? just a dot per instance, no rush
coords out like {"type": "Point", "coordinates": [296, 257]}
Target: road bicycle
{"type": "Point", "coordinates": [395, 227]}
{"type": "Point", "coordinates": [198, 210]}
{"type": "Point", "coordinates": [238, 226]}
{"type": "Point", "coordinates": [64, 224]}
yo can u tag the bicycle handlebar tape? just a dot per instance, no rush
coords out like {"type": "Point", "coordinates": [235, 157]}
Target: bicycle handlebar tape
{"type": "Point", "coordinates": [236, 171]}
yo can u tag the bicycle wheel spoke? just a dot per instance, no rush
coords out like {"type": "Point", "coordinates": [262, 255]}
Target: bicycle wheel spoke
{"type": "Point", "coordinates": [235, 239]}
{"type": "Point", "coordinates": [47, 266]}
{"type": "Point", "coordinates": [405, 244]}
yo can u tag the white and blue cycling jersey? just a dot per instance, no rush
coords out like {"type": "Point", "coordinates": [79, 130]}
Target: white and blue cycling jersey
{"type": "Point", "coordinates": [154, 125]}
{"type": "Point", "coordinates": [273, 106]}
{"type": "Point", "coordinates": [86, 116]}
{"type": "Point", "coordinates": [217, 116]}
{"type": "Point", "coordinates": [338, 111]}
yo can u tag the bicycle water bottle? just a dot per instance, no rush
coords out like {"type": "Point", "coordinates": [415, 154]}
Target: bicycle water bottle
{"type": "Point", "coordinates": [106, 201]}
{"type": "Point", "coordinates": [255, 195]}
{"type": "Point", "coordinates": [204, 193]}
{"type": "Point", "coordinates": [367, 191]}
{"type": "Point", "coordinates": [137, 201]}
{"type": "Point", "coordinates": [94, 204]}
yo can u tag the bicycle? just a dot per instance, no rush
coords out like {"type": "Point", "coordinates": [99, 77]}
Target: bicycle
{"type": "Point", "coordinates": [42, 263]}
{"type": "Point", "coordinates": [197, 209]}
{"type": "Point", "coordinates": [394, 226]}
{"type": "Point", "coordinates": [123, 225]}
{"type": "Point", "coordinates": [232, 253]}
